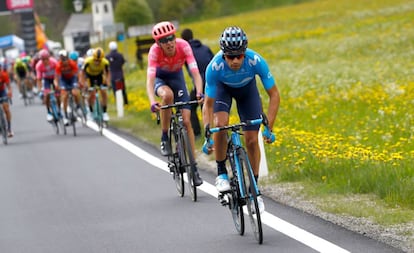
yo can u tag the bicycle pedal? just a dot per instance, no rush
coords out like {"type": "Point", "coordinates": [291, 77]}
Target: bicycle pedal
{"type": "Point", "coordinates": [223, 199]}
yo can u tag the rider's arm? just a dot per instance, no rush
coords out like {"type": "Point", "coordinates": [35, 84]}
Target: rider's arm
{"type": "Point", "coordinates": [151, 72]}
{"type": "Point", "coordinates": [150, 89]}
{"type": "Point", "coordinates": [208, 111]}
{"type": "Point", "coordinates": [197, 81]}
{"type": "Point", "coordinates": [39, 75]}
{"type": "Point", "coordinates": [274, 101]}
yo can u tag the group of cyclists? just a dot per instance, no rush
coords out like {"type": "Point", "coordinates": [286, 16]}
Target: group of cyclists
{"type": "Point", "coordinates": [230, 75]}
{"type": "Point", "coordinates": [65, 72]}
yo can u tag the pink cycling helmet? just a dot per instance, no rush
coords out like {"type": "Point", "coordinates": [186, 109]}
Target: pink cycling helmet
{"type": "Point", "coordinates": [162, 29]}
{"type": "Point", "coordinates": [44, 53]}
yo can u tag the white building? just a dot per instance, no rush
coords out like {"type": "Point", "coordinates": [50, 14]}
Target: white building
{"type": "Point", "coordinates": [80, 25]}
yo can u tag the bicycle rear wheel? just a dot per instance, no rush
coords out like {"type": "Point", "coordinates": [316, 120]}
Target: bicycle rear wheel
{"type": "Point", "coordinates": [251, 201]}
{"type": "Point", "coordinates": [188, 162]}
{"type": "Point", "coordinates": [174, 160]}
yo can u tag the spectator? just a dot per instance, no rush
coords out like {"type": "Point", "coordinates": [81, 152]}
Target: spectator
{"type": "Point", "coordinates": [116, 62]}
{"type": "Point", "coordinates": [203, 56]}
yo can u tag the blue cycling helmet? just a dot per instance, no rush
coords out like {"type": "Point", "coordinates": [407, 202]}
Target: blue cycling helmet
{"type": "Point", "coordinates": [73, 55]}
{"type": "Point", "coordinates": [233, 41]}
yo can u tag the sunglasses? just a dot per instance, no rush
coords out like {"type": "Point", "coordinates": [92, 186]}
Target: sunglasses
{"type": "Point", "coordinates": [167, 39]}
{"type": "Point", "coordinates": [234, 56]}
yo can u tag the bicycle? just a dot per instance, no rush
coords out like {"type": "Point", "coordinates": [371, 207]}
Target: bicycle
{"type": "Point", "coordinates": [3, 122]}
{"type": "Point", "coordinates": [97, 108]}
{"type": "Point", "coordinates": [57, 116]}
{"type": "Point", "coordinates": [243, 187]}
{"type": "Point", "coordinates": [27, 94]}
{"type": "Point", "coordinates": [182, 158]}
{"type": "Point", "coordinates": [83, 106]}
{"type": "Point", "coordinates": [72, 111]}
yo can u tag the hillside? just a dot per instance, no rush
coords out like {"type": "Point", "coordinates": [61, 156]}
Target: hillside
{"type": "Point", "coordinates": [344, 131]}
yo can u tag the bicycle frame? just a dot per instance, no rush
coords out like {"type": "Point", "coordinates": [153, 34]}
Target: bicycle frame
{"type": "Point", "coordinates": [97, 107]}
{"type": "Point", "coordinates": [239, 195]}
{"type": "Point", "coordinates": [234, 144]}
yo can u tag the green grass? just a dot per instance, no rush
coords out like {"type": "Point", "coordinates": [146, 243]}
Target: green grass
{"type": "Point", "coordinates": [346, 76]}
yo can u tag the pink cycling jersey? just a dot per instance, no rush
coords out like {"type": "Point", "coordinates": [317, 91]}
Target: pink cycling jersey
{"type": "Point", "coordinates": [183, 53]}
{"type": "Point", "coordinates": [46, 71]}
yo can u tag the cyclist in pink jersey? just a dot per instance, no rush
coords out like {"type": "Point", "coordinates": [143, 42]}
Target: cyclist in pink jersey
{"type": "Point", "coordinates": [46, 77]}
{"type": "Point", "coordinates": [165, 79]}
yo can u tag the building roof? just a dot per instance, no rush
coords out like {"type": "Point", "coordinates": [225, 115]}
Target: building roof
{"type": "Point", "coordinates": [78, 23]}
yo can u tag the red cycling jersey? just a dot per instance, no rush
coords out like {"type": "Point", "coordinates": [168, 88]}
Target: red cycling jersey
{"type": "Point", "coordinates": [4, 80]}
{"type": "Point", "coordinates": [67, 69]}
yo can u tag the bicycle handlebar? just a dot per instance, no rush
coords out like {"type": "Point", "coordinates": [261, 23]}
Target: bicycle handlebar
{"type": "Point", "coordinates": [236, 127]}
{"type": "Point", "coordinates": [179, 104]}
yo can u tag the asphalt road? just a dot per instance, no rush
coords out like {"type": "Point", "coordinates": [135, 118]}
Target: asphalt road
{"type": "Point", "coordinates": [112, 193]}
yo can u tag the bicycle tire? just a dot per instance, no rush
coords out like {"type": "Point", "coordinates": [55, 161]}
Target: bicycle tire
{"type": "Point", "coordinates": [178, 173]}
{"type": "Point", "coordinates": [187, 159]}
{"type": "Point", "coordinates": [55, 115]}
{"type": "Point", "coordinates": [71, 114]}
{"type": "Point", "coordinates": [24, 92]}
{"type": "Point", "coordinates": [3, 127]}
{"type": "Point", "coordinates": [255, 218]}
{"type": "Point", "coordinates": [99, 116]}
{"type": "Point", "coordinates": [84, 113]}
{"type": "Point", "coordinates": [62, 125]}
{"type": "Point", "coordinates": [236, 206]}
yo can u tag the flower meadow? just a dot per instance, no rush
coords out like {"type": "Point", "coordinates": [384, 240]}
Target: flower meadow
{"type": "Point", "coordinates": [345, 71]}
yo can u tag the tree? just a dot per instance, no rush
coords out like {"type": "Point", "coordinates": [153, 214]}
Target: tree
{"type": "Point", "coordinates": [174, 10]}
{"type": "Point", "coordinates": [133, 12]}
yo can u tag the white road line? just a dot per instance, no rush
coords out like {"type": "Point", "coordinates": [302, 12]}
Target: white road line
{"type": "Point", "coordinates": [269, 219]}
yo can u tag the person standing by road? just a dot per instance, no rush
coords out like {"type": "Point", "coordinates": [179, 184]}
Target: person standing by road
{"type": "Point", "coordinates": [116, 63]}
{"type": "Point", "coordinates": [203, 56]}
{"type": "Point", "coordinates": [231, 75]}
{"type": "Point", "coordinates": [165, 79]}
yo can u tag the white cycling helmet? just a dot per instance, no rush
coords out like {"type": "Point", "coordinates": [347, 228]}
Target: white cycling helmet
{"type": "Point", "coordinates": [113, 45]}
{"type": "Point", "coordinates": [89, 53]}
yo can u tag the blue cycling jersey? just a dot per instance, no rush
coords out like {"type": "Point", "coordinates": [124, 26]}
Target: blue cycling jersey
{"type": "Point", "coordinates": [253, 64]}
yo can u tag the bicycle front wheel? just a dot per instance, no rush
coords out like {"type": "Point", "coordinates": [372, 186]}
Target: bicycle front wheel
{"type": "Point", "coordinates": [174, 163]}
{"type": "Point", "coordinates": [188, 162]}
{"type": "Point", "coordinates": [236, 206]}
{"type": "Point", "coordinates": [99, 116]}
{"type": "Point", "coordinates": [251, 201]}
{"type": "Point", "coordinates": [24, 92]}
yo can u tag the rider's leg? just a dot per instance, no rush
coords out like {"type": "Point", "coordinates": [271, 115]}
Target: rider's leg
{"type": "Point", "coordinates": [253, 151]}
{"type": "Point", "coordinates": [64, 94]}
{"type": "Point", "coordinates": [6, 109]}
{"type": "Point", "coordinates": [167, 97]}
{"type": "Point", "coordinates": [104, 96]}
{"type": "Point", "coordinates": [221, 118]}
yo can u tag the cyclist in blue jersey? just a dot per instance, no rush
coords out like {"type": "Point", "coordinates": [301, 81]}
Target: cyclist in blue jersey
{"type": "Point", "coordinates": [231, 75]}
